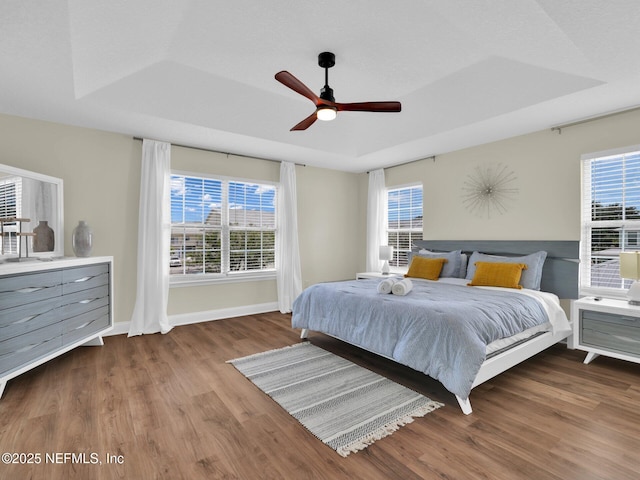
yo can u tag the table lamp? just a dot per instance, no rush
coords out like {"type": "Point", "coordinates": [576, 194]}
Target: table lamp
{"type": "Point", "coordinates": [630, 268]}
{"type": "Point", "coordinates": [386, 254]}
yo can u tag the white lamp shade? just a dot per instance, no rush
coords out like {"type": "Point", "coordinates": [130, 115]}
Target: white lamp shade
{"type": "Point", "coordinates": [630, 265]}
{"type": "Point", "coordinates": [386, 252]}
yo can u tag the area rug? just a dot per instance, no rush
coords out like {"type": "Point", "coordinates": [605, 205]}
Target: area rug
{"type": "Point", "coordinates": [344, 405]}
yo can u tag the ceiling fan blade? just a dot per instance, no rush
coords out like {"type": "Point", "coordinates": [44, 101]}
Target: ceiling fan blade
{"type": "Point", "coordinates": [306, 123]}
{"type": "Point", "coordinates": [296, 85]}
{"type": "Point", "coordinates": [369, 107]}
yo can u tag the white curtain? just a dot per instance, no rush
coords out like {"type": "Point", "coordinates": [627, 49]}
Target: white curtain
{"type": "Point", "coordinates": [376, 220]}
{"type": "Point", "coordinates": [289, 276]}
{"type": "Point", "coordinates": [154, 237]}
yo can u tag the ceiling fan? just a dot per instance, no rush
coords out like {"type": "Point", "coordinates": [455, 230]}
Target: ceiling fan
{"type": "Point", "coordinates": [326, 106]}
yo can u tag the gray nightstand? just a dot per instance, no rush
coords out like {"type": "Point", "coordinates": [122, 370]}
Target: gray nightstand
{"type": "Point", "coordinates": [608, 327]}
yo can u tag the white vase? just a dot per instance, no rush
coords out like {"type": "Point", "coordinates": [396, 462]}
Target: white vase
{"type": "Point", "coordinates": [82, 239]}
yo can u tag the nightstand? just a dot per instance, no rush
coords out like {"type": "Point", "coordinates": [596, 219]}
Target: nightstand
{"type": "Point", "coordinates": [363, 275]}
{"type": "Point", "coordinates": [608, 327]}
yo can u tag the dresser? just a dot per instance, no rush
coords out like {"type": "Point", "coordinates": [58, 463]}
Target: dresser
{"type": "Point", "coordinates": [50, 307]}
{"type": "Point", "coordinates": [605, 326]}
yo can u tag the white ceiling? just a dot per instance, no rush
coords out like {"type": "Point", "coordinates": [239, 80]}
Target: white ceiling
{"type": "Point", "coordinates": [201, 72]}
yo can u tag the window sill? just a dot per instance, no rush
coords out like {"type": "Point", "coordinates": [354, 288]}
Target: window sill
{"type": "Point", "coordinates": [213, 279]}
{"type": "Point", "coordinates": [603, 292]}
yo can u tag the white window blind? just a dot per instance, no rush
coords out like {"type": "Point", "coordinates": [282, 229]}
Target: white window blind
{"type": "Point", "coordinates": [10, 207]}
{"type": "Point", "coordinates": [404, 214]}
{"type": "Point", "coordinates": [221, 226]}
{"type": "Point", "coordinates": [610, 217]}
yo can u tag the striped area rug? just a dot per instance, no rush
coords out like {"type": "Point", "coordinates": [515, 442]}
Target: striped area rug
{"type": "Point", "coordinates": [344, 405]}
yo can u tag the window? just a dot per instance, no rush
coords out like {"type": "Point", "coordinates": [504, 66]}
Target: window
{"type": "Point", "coordinates": [610, 216]}
{"type": "Point", "coordinates": [10, 207]}
{"type": "Point", "coordinates": [221, 227]}
{"type": "Point", "coordinates": [404, 216]}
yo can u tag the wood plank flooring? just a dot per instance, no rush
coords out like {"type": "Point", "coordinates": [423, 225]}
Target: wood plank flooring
{"type": "Point", "coordinates": [169, 407]}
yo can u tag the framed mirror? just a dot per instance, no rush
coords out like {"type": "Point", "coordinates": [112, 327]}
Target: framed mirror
{"type": "Point", "coordinates": [31, 215]}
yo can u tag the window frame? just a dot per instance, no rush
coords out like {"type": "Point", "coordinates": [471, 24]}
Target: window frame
{"type": "Point", "coordinates": [393, 266]}
{"type": "Point", "coordinates": [587, 224]}
{"type": "Point", "coordinates": [226, 275]}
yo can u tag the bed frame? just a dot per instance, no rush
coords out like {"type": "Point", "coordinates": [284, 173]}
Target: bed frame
{"type": "Point", "coordinates": [559, 276]}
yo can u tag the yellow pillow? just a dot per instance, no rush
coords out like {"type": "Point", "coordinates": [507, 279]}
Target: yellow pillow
{"type": "Point", "coordinates": [427, 268]}
{"type": "Point", "coordinates": [496, 274]}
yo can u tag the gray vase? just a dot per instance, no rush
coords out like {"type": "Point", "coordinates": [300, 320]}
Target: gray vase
{"type": "Point", "coordinates": [82, 239]}
{"type": "Point", "coordinates": [44, 241]}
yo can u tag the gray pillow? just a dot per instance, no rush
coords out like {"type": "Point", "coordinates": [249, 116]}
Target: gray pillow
{"type": "Point", "coordinates": [449, 269]}
{"type": "Point", "coordinates": [530, 278]}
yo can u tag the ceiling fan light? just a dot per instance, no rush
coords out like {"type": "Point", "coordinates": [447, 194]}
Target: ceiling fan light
{"type": "Point", "coordinates": [326, 113]}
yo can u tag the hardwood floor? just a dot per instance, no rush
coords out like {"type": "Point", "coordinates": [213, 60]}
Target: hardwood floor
{"type": "Point", "coordinates": [168, 406]}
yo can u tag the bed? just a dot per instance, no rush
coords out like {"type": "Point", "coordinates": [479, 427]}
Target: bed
{"type": "Point", "coordinates": [460, 335]}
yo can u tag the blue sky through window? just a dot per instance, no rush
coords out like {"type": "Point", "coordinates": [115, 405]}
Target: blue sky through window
{"type": "Point", "coordinates": [193, 198]}
{"type": "Point", "coordinates": [404, 204]}
{"type": "Point", "coordinates": [616, 180]}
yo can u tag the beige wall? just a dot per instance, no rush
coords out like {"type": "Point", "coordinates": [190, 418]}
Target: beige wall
{"type": "Point", "coordinates": [101, 173]}
{"type": "Point", "coordinates": [547, 166]}
{"type": "Point", "coordinates": [331, 242]}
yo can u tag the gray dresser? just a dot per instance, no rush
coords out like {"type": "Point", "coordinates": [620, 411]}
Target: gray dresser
{"type": "Point", "coordinates": [48, 308]}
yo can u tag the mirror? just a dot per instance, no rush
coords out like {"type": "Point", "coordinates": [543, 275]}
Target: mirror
{"type": "Point", "coordinates": [31, 215]}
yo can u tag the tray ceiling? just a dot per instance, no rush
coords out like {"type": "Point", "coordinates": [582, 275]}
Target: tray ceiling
{"type": "Point", "coordinates": [201, 73]}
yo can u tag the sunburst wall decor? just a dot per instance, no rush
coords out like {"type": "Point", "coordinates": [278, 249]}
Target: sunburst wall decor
{"type": "Point", "coordinates": [489, 190]}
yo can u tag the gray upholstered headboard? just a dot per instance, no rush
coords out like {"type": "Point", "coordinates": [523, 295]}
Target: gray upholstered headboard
{"type": "Point", "coordinates": [560, 271]}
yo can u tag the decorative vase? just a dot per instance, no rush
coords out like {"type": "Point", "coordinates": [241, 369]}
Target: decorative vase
{"type": "Point", "coordinates": [44, 240]}
{"type": "Point", "coordinates": [82, 239]}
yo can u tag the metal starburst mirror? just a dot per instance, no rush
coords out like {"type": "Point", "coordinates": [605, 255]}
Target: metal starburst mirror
{"type": "Point", "coordinates": [489, 190]}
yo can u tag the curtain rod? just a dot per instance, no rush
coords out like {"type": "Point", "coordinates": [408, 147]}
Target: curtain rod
{"type": "Point", "coordinates": [432, 157]}
{"type": "Point", "coordinates": [223, 153]}
{"type": "Point", "coordinates": [591, 119]}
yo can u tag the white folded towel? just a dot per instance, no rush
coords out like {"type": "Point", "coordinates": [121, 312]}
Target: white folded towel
{"type": "Point", "coordinates": [385, 285]}
{"type": "Point", "coordinates": [402, 287]}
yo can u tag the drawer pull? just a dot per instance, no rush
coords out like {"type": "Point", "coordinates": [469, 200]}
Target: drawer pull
{"type": "Point", "coordinates": [83, 279]}
{"type": "Point", "coordinates": [29, 289]}
{"type": "Point", "coordinates": [25, 319]}
{"type": "Point", "coordinates": [88, 300]}
{"type": "Point", "coordinates": [27, 348]}
{"type": "Point", "coordinates": [626, 339]}
{"type": "Point", "coordinates": [82, 326]}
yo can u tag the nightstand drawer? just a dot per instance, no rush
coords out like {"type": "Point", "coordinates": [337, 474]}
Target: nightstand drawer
{"type": "Point", "coordinates": [603, 317]}
{"type": "Point", "coordinates": [613, 336]}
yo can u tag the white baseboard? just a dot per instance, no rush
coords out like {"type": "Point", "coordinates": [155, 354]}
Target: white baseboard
{"type": "Point", "coordinates": [122, 328]}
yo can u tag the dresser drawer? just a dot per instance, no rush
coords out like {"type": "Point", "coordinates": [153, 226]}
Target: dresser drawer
{"type": "Point", "coordinates": [83, 278]}
{"type": "Point", "coordinates": [24, 289]}
{"type": "Point", "coordinates": [85, 324]}
{"type": "Point", "coordinates": [84, 301]}
{"type": "Point", "coordinates": [25, 318]}
{"type": "Point", "coordinates": [30, 345]}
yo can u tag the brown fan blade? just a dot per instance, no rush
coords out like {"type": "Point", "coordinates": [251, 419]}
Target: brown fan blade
{"type": "Point", "coordinates": [306, 123]}
{"type": "Point", "coordinates": [296, 85]}
{"type": "Point", "coordinates": [369, 107]}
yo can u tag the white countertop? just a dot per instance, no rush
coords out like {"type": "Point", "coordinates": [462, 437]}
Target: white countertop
{"type": "Point", "coordinates": [35, 265]}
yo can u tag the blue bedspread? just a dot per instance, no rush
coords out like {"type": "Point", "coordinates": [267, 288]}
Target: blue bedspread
{"type": "Point", "coordinates": [439, 329]}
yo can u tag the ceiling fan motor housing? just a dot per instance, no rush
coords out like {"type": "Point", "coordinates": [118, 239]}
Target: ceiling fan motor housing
{"type": "Point", "coordinates": [326, 59]}
{"type": "Point", "coordinates": [327, 93]}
